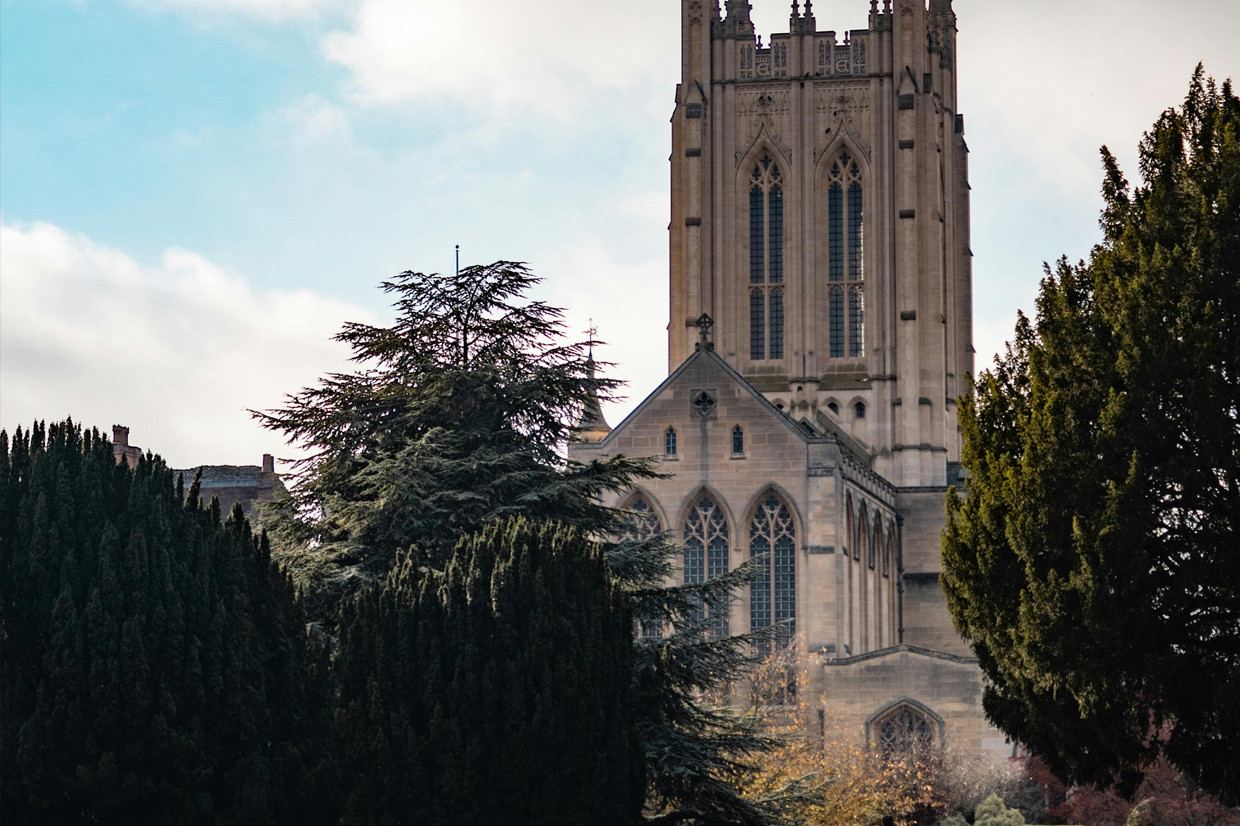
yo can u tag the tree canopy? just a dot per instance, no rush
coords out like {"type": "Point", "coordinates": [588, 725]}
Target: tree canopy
{"type": "Point", "coordinates": [1095, 563]}
{"type": "Point", "coordinates": [155, 669]}
{"type": "Point", "coordinates": [457, 419]}
{"type": "Point", "coordinates": [494, 692]}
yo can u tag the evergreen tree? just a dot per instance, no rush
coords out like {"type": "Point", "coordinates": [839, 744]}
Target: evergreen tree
{"type": "Point", "coordinates": [154, 668]}
{"type": "Point", "coordinates": [460, 415]}
{"type": "Point", "coordinates": [1094, 562]}
{"type": "Point", "coordinates": [494, 692]}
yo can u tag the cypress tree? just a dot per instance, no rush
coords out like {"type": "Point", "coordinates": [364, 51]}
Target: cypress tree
{"type": "Point", "coordinates": [1094, 563]}
{"type": "Point", "coordinates": [154, 664]}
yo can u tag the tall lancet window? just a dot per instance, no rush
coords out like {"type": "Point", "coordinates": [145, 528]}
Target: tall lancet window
{"type": "Point", "coordinates": [706, 550]}
{"type": "Point", "coordinates": [766, 261]}
{"type": "Point", "coordinates": [845, 260]}
{"type": "Point", "coordinates": [773, 591]}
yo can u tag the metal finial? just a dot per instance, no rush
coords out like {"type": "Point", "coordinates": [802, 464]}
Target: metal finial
{"type": "Point", "coordinates": [458, 260]}
{"type": "Point", "coordinates": [591, 332]}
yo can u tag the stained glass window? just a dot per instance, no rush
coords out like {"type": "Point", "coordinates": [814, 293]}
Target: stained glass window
{"type": "Point", "coordinates": [669, 442]}
{"type": "Point", "coordinates": [846, 264]}
{"type": "Point", "coordinates": [777, 323]}
{"type": "Point", "coordinates": [766, 260]}
{"type": "Point", "coordinates": [757, 231]}
{"type": "Point", "coordinates": [772, 594]}
{"type": "Point", "coordinates": [757, 324]}
{"type": "Point", "coordinates": [835, 319]}
{"type": "Point", "coordinates": [706, 550]}
{"type": "Point", "coordinates": [856, 321]}
{"type": "Point", "coordinates": [776, 275]}
{"type": "Point", "coordinates": [835, 231]}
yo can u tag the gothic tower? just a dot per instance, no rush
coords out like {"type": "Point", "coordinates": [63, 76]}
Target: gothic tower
{"type": "Point", "coordinates": [820, 216]}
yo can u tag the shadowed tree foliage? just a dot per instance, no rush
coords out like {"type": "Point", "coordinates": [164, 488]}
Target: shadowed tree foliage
{"type": "Point", "coordinates": [494, 692]}
{"type": "Point", "coordinates": [458, 416]}
{"type": "Point", "coordinates": [1095, 564]}
{"type": "Point", "coordinates": [154, 666]}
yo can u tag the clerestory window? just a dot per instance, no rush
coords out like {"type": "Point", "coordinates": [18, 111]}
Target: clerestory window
{"type": "Point", "coordinates": [766, 261]}
{"type": "Point", "coordinates": [845, 260]}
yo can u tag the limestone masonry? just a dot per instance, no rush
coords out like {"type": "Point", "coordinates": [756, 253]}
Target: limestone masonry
{"type": "Point", "coordinates": [820, 334]}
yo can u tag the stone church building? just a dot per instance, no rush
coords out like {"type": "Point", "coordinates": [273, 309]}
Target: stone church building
{"type": "Point", "coordinates": [820, 333]}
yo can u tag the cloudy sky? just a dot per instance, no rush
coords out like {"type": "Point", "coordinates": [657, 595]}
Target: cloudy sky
{"type": "Point", "coordinates": [194, 194]}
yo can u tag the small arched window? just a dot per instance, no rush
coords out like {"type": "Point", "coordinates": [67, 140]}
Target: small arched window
{"type": "Point", "coordinates": [845, 260]}
{"type": "Point", "coordinates": [905, 731]}
{"type": "Point", "coordinates": [833, 407]}
{"type": "Point", "coordinates": [859, 410]}
{"type": "Point", "coordinates": [706, 550]}
{"type": "Point", "coordinates": [738, 440]}
{"type": "Point", "coordinates": [772, 594]}
{"type": "Point", "coordinates": [669, 442]}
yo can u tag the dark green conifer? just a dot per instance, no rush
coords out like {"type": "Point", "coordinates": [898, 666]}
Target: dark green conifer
{"type": "Point", "coordinates": [1094, 563]}
{"type": "Point", "coordinates": [460, 416]}
{"type": "Point", "coordinates": [495, 691]}
{"type": "Point", "coordinates": [112, 597]}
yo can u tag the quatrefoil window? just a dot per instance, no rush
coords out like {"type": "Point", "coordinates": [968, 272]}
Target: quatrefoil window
{"type": "Point", "coordinates": [703, 403]}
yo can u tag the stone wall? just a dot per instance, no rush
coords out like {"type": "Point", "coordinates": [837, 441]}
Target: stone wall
{"type": "Point", "coordinates": [858, 692]}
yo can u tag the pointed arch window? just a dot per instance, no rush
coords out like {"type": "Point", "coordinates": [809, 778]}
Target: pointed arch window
{"type": "Point", "coordinates": [706, 550]}
{"type": "Point", "coordinates": [640, 523]}
{"type": "Point", "coordinates": [766, 261]}
{"type": "Point", "coordinates": [772, 594]}
{"type": "Point", "coordinates": [905, 731]}
{"type": "Point", "coordinates": [669, 442]}
{"type": "Point", "coordinates": [845, 260]}
{"type": "Point", "coordinates": [738, 440]}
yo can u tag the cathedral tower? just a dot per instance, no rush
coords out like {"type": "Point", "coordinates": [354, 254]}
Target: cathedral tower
{"type": "Point", "coordinates": [820, 220]}
{"type": "Point", "coordinates": [820, 217]}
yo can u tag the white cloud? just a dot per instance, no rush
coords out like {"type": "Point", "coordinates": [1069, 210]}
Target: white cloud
{"type": "Point", "coordinates": [545, 56]}
{"type": "Point", "coordinates": [1055, 80]}
{"type": "Point", "coordinates": [177, 351]}
{"type": "Point", "coordinates": [274, 10]}
{"type": "Point", "coordinates": [312, 120]}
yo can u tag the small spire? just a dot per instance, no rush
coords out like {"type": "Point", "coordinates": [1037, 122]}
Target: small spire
{"type": "Point", "coordinates": [591, 427]}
